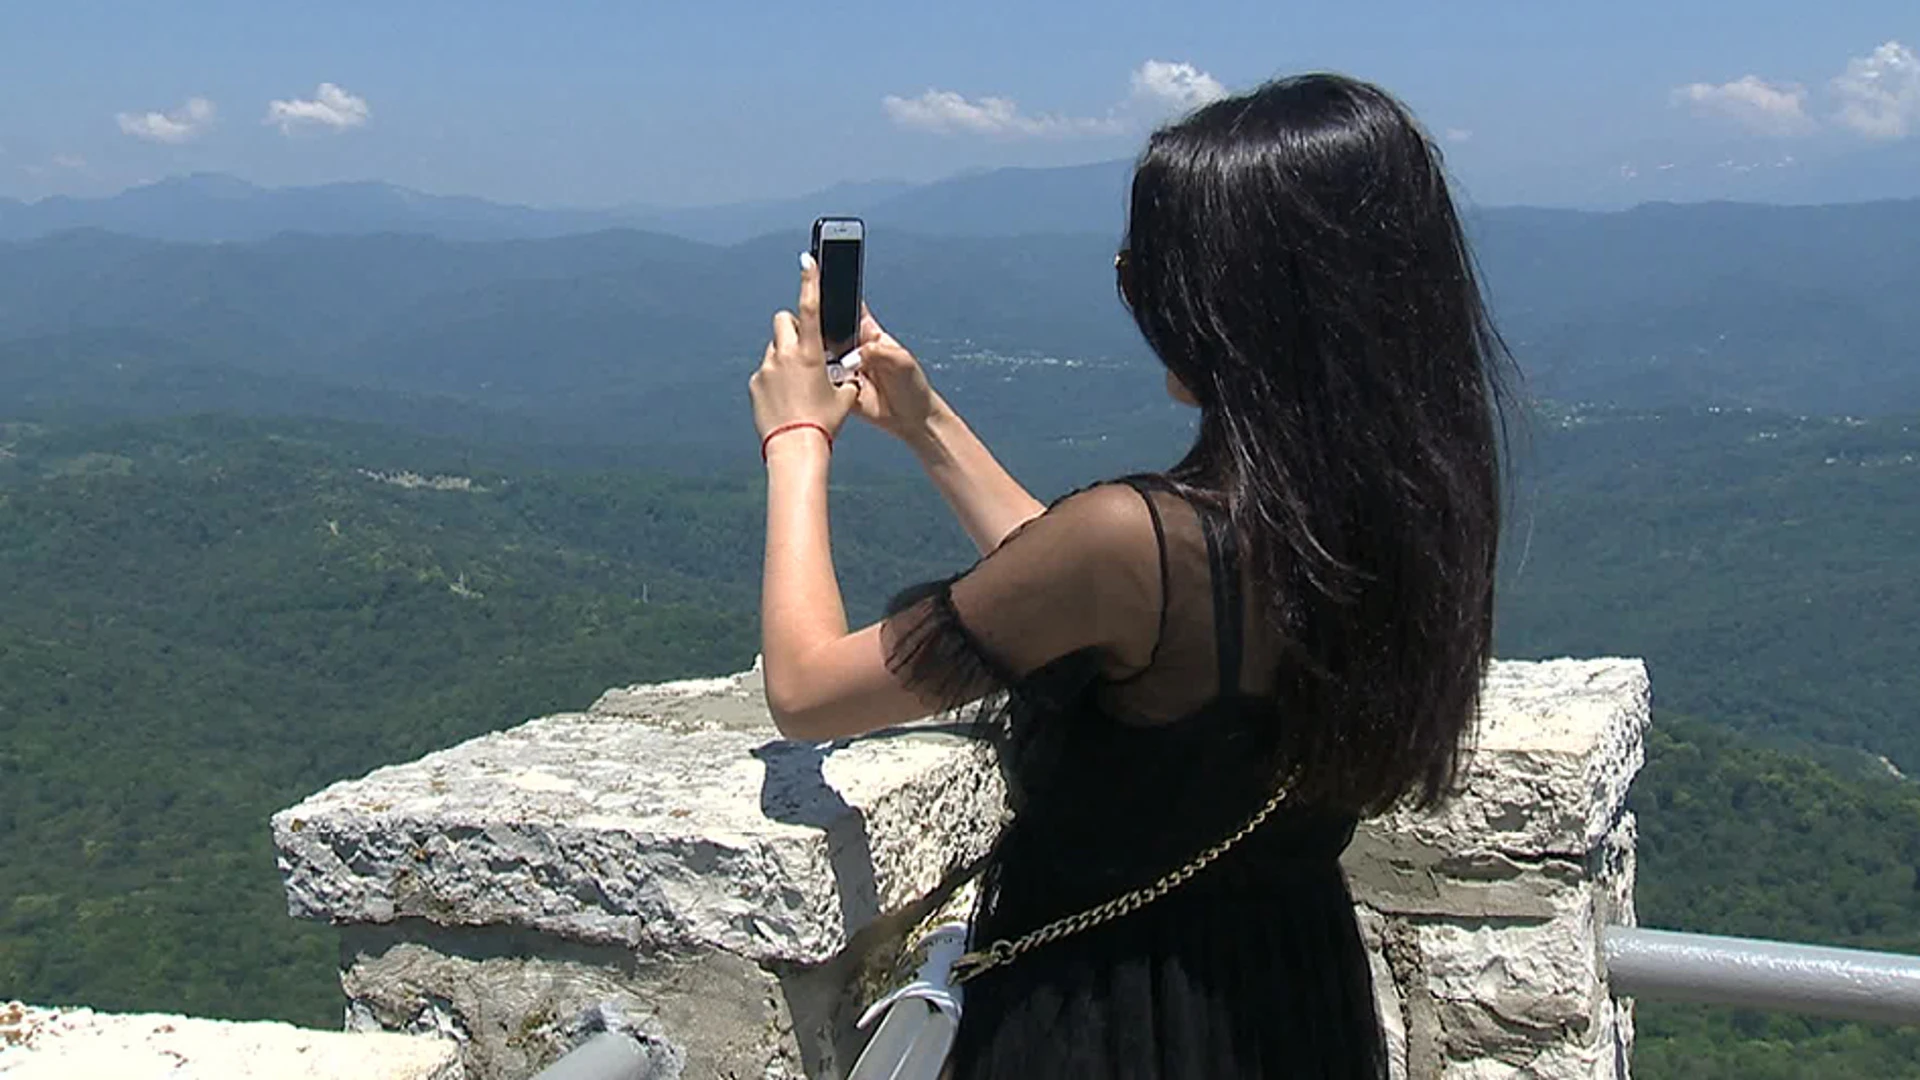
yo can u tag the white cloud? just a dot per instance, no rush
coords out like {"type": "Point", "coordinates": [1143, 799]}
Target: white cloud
{"type": "Point", "coordinates": [330, 107]}
{"type": "Point", "coordinates": [947, 112]}
{"type": "Point", "coordinates": [1880, 93]}
{"type": "Point", "coordinates": [1752, 102]}
{"type": "Point", "coordinates": [58, 163]}
{"type": "Point", "coordinates": [181, 125]}
{"type": "Point", "coordinates": [1158, 87]}
{"type": "Point", "coordinates": [1177, 86]}
{"type": "Point", "coordinates": [1459, 135]}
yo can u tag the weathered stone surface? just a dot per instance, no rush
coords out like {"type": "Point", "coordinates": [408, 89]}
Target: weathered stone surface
{"type": "Point", "coordinates": [1491, 979]}
{"type": "Point", "coordinates": [666, 824]}
{"type": "Point", "coordinates": [665, 855]}
{"type": "Point", "coordinates": [515, 999]}
{"type": "Point", "coordinates": [1505, 889]}
{"type": "Point", "coordinates": [1388, 1002]}
{"type": "Point", "coordinates": [1613, 867]}
{"type": "Point", "coordinates": [80, 1044]}
{"type": "Point", "coordinates": [1615, 864]}
{"type": "Point", "coordinates": [645, 824]}
{"type": "Point", "coordinates": [1602, 1057]}
{"type": "Point", "coordinates": [1558, 744]}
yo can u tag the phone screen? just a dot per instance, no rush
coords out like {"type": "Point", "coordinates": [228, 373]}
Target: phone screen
{"type": "Point", "coordinates": [839, 292]}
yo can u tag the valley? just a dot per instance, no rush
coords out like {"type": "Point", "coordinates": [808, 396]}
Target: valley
{"type": "Point", "coordinates": [275, 512]}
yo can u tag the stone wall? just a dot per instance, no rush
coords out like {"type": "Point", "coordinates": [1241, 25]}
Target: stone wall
{"type": "Point", "coordinates": [664, 859]}
{"type": "Point", "coordinates": [1487, 913]}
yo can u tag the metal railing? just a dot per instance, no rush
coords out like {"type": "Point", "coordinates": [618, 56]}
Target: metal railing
{"type": "Point", "coordinates": [611, 1047]}
{"type": "Point", "coordinates": [1844, 984]}
{"type": "Point", "coordinates": [610, 1055]}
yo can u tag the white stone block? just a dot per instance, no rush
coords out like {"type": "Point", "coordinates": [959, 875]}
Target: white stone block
{"type": "Point", "coordinates": [80, 1044]}
{"type": "Point", "coordinates": [658, 821]}
{"type": "Point", "coordinates": [1557, 746]}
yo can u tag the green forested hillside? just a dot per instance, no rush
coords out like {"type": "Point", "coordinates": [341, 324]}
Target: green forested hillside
{"type": "Point", "coordinates": [1740, 839]}
{"type": "Point", "coordinates": [607, 335]}
{"type": "Point", "coordinates": [1767, 567]}
{"type": "Point", "coordinates": [202, 621]}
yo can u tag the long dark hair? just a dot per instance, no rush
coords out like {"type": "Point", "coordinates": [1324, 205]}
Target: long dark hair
{"type": "Point", "coordinates": [1293, 255]}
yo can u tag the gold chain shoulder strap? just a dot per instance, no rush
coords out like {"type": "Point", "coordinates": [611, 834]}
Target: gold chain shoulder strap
{"type": "Point", "coordinates": [1001, 952]}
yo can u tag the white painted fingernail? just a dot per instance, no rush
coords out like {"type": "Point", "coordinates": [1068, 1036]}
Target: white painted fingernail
{"type": "Point", "coordinates": [851, 361]}
{"type": "Point", "coordinates": [806, 262]}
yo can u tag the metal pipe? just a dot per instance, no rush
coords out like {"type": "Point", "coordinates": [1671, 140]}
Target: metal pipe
{"type": "Point", "coordinates": [1845, 984]}
{"type": "Point", "coordinates": [610, 1055]}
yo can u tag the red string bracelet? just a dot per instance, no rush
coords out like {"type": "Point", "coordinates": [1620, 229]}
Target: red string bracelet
{"type": "Point", "coordinates": [783, 428]}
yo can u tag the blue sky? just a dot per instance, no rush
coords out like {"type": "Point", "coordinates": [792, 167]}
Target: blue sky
{"type": "Point", "coordinates": [601, 103]}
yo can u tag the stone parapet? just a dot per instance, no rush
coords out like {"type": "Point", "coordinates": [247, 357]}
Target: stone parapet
{"type": "Point", "coordinates": [1486, 913]}
{"type": "Point", "coordinates": [664, 855]}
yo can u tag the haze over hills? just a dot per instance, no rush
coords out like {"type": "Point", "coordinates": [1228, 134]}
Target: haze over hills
{"type": "Point", "coordinates": [208, 208]}
{"type": "Point", "coordinates": [203, 207]}
{"type": "Point", "coordinates": [233, 602]}
{"type": "Point", "coordinates": [624, 336]}
{"type": "Point", "coordinates": [298, 482]}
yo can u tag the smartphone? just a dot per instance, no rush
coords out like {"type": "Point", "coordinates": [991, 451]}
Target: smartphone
{"type": "Point", "coordinates": [839, 246]}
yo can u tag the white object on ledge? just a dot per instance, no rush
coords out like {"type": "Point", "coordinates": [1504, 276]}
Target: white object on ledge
{"type": "Point", "coordinates": [919, 1020]}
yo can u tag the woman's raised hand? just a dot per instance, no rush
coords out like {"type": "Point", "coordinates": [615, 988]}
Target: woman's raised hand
{"type": "Point", "coordinates": [792, 385]}
{"type": "Point", "coordinates": [895, 395]}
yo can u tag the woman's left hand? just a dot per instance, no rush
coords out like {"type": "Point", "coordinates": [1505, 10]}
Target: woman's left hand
{"type": "Point", "coordinates": [792, 385]}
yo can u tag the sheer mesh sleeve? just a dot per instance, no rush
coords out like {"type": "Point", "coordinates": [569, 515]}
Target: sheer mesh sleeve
{"type": "Point", "coordinates": [1073, 594]}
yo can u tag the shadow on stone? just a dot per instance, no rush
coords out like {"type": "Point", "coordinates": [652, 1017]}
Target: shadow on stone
{"type": "Point", "coordinates": [796, 792]}
{"type": "Point", "coordinates": [515, 999]}
{"type": "Point", "coordinates": [825, 1000]}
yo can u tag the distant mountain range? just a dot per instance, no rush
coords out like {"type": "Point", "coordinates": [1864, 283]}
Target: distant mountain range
{"type": "Point", "coordinates": [205, 208]}
{"type": "Point", "coordinates": [624, 336]}
{"type": "Point", "coordinates": [228, 609]}
{"type": "Point", "coordinates": [997, 202]}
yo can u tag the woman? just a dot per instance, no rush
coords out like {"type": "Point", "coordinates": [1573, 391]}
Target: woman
{"type": "Point", "coordinates": [1299, 611]}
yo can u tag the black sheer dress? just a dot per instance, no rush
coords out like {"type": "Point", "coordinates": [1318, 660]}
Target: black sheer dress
{"type": "Point", "coordinates": [1124, 759]}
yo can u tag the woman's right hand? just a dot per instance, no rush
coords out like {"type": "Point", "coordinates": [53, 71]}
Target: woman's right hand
{"type": "Point", "coordinates": [895, 395]}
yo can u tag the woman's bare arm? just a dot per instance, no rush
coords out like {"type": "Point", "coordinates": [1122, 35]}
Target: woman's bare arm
{"type": "Point", "coordinates": [989, 502]}
{"type": "Point", "coordinates": [896, 397]}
